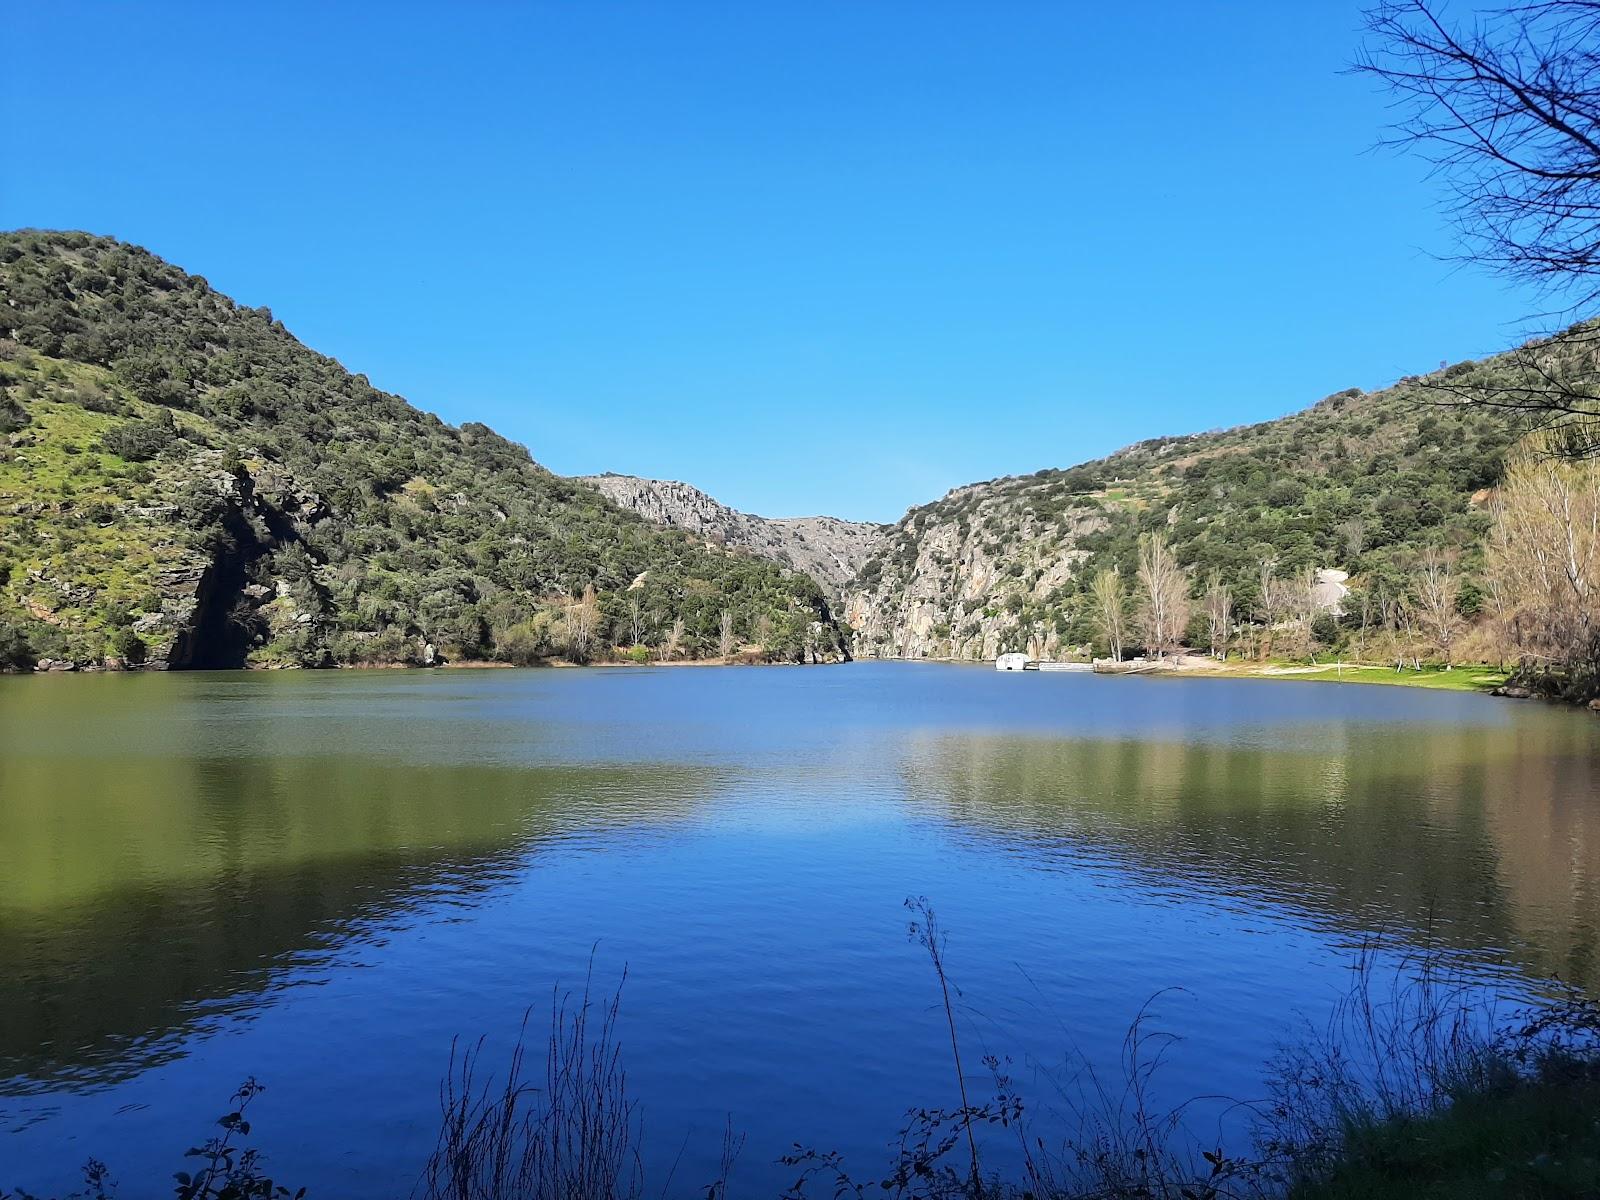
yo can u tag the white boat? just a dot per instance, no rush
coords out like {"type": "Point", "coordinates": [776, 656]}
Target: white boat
{"type": "Point", "coordinates": [1011, 662]}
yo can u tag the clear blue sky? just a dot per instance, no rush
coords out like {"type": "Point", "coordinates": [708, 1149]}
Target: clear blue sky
{"type": "Point", "coordinates": [810, 256]}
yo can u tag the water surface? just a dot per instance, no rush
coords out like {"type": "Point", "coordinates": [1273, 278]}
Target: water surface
{"type": "Point", "coordinates": [321, 878]}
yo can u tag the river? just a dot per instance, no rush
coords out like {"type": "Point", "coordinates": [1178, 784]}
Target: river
{"type": "Point", "coordinates": [320, 879]}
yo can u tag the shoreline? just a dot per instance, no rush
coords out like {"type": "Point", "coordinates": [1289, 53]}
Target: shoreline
{"type": "Point", "coordinates": [1482, 680]}
{"type": "Point", "coordinates": [1474, 679]}
{"type": "Point", "coordinates": [472, 664]}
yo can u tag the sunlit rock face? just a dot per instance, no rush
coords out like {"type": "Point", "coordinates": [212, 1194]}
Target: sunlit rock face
{"type": "Point", "coordinates": [830, 550]}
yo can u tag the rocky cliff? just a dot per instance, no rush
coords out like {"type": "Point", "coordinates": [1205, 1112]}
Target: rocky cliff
{"type": "Point", "coordinates": [1360, 483]}
{"type": "Point", "coordinates": [829, 550]}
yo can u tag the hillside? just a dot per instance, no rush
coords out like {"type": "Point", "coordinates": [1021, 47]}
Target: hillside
{"type": "Point", "coordinates": [830, 550]}
{"type": "Point", "coordinates": [184, 484]}
{"type": "Point", "coordinates": [1361, 482]}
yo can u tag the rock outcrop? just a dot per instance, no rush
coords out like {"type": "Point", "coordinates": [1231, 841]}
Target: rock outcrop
{"type": "Point", "coordinates": [1351, 489]}
{"type": "Point", "coordinates": [830, 550]}
{"type": "Point", "coordinates": [968, 578]}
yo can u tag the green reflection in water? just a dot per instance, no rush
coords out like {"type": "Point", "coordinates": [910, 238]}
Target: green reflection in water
{"type": "Point", "coordinates": [1486, 839]}
{"type": "Point", "coordinates": [146, 881]}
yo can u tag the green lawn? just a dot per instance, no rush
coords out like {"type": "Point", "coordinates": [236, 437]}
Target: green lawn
{"type": "Point", "coordinates": [1455, 679]}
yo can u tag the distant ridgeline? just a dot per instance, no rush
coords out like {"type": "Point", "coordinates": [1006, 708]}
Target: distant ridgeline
{"type": "Point", "coordinates": [184, 484]}
{"type": "Point", "coordinates": [1363, 483]}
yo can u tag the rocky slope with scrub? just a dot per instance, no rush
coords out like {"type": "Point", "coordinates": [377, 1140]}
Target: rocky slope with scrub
{"type": "Point", "coordinates": [1361, 482]}
{"type": "Point", "coordinates": [184, 484]}
{"type": "Point", "coordinates": [830, 550]}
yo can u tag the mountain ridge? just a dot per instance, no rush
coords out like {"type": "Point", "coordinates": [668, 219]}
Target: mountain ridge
{"type": "Point", "coordinates": [830, 550]}
{"type": "Point", "coordinates": [1362, 481]}
{"type": "Point", "coordinates": [186, 484]}
{"type": "Point", "coordinates": [192, 486]}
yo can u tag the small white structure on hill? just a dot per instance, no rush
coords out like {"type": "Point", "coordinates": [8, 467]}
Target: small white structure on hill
{"type": "Point", "coordinates": [1329, 591]}
{"type": "Point", "coordinates": [1011, 662]}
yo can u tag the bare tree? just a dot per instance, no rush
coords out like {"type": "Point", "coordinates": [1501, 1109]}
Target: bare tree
{"type": "Point", "coordinates": [1507, 111]}
{"type": "Point", "coordinates": [1353, 537]}
{"type": "Point", "coordinates": [1544, 558]}
{"type": "Point", "coordinates": [1438, 587]}
{"type": "Point", "coordinates": [1039, 639]}
{"type": "Point", "coordinates": [1301, 603]}
{"type": "Point", "coordinates": [1219, 614]}
{"type": "Point", "coordinates": [1288, 608]}
{"type": "Point", "coordinates": [1164, 610]}
{"type": "Point", "coordinates": [1269, 598]}
{"type": "Point", "coordinates": [1399, 627]}
{"type": "Point", "coordinates": [636, 628]}
{"type": "Point", "coordinates": [1111, 609]}
{"type": "Point", "coordinates": [582, 616]}
{"type": "Point", "coordinates": [672, 645]}
{"type": "Point", "coordinates": [1366, 623]}
{"type": "Point", "coordinates": [726, 642]}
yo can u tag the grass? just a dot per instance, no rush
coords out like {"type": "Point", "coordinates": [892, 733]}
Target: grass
{"type": "Point", "coordinates": [92, 562]}
{"type": "Point", "coordinates": [1537, 1137]}
{"type": "Point", "coordinates": [1447, 679]}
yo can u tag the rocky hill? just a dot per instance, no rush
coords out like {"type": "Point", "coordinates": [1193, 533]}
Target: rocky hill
{"type": "Point", "coordinates": [1360, 482]}
{"type": "Point", "coordinates": [183, 484]}
{"type": "Point", "coordinates": [830, 550]}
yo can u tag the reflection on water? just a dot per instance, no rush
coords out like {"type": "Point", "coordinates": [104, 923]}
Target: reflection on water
{"type": "Point", "coordinates": [153, 891]}
{"type": "Point", "coordinates": [1483, 840]}
{"type": "Point", "coordinates": [322, 878]}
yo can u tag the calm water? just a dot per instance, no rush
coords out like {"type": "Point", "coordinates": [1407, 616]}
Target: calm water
{"type": "Point", "coordinates": [320, 879]}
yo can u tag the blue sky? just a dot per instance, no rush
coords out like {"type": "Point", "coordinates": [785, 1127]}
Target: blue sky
{"type": "Point", "coordinates": [812, 257]}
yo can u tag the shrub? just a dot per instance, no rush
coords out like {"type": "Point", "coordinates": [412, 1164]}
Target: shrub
{"type": "Point", "coordinates": [140, 441]}
{"type": "Point", "coordinates": [127, 645]}
{"type": "Point", "coordinates": [12, 415]}
{"type": "Point", "coordinates": [15, 652]}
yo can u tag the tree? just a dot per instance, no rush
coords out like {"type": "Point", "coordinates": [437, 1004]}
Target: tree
{"type": "Point", "coordinates": [1544, 559]}
{"type": "Point", "coordinates": [1164, 610]}
{"type": "Point", "coordinates": [673, 645]}
{"type": "Point", "coordinates": [726, 642]}
{"type": "Point", "coordinates": [1438, 588]}
{"type": "Point", "coordinates": [635, 617]}
{"type": "Point", "coordinates": [1111, 609]}
{"type": "Point", "coordinates": [1219, 614]}
{"type": "Point", "coordinates": [1507, 112]}
{"type": "Point", "coordinates": [581, 617]}
{"type": "Point", "coordinates": [1266, 600]}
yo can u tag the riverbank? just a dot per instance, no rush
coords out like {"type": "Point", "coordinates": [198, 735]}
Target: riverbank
{"type": "Point", "coordinates": [1480, 679]}
{"type": "Point", "coordinates": [1474, 678]}
{"type": "Point", "coordinates": [1450, 679]}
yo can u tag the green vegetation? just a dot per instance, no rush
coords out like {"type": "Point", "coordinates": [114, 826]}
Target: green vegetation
{"type": "Point", "coordinates": [183, 479]}
{"type": "Point", "coordinates": [1386, 486]}
{"type": "Point", "coordinates": [1526, 1136]}
{"type": "Point", "coordinates": [1447, 679]}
